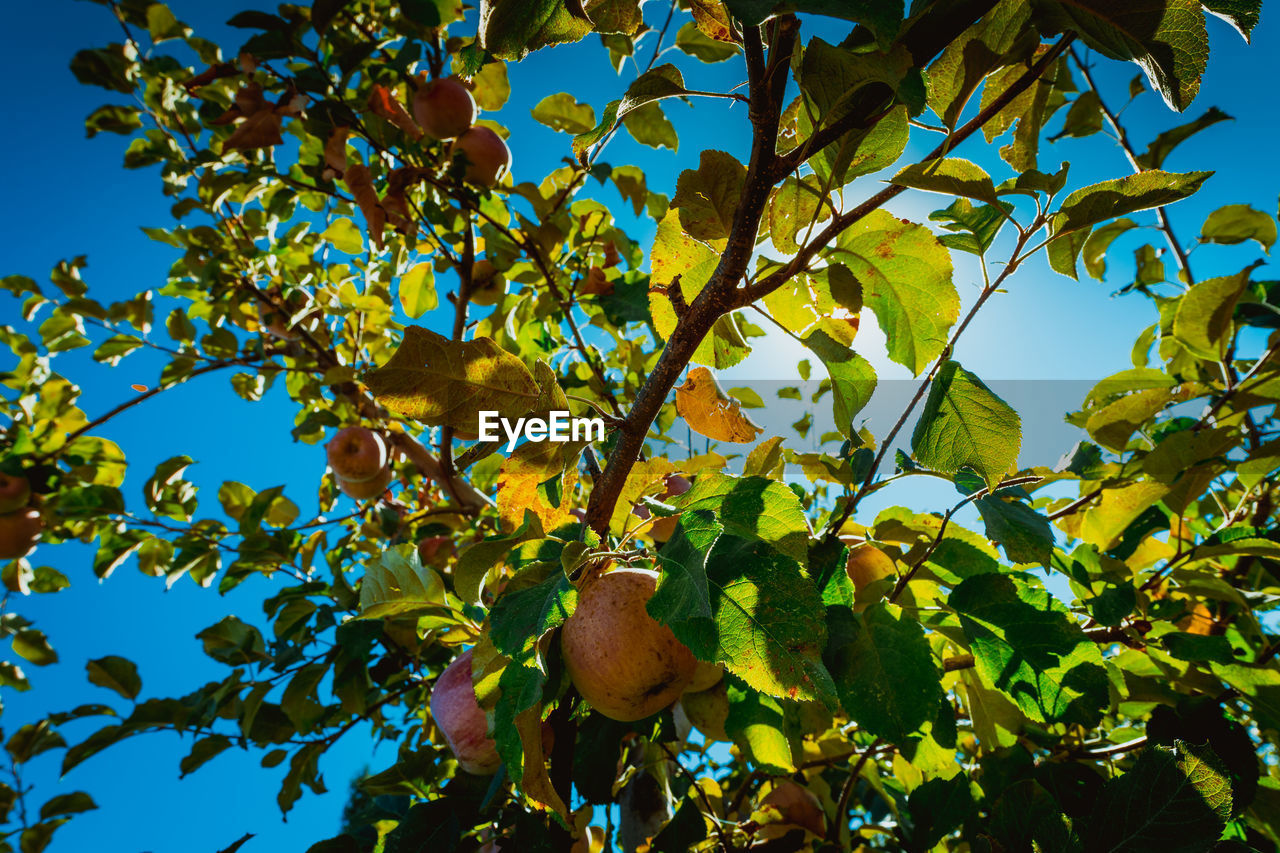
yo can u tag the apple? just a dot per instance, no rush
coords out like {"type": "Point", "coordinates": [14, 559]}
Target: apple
{"type": "Point", "coordinates": [459, 718]}
{"type": "Point", "coordinates": [357, 454]}
{"type": "Point", "coordinates": [363, 490]}
{"type": "Point", "coordinates": [487, 156]}
{"type": "Point", "coordinates": [708, 710]}
{"type": "Point", "coordinates": [15, 491]}
{"type": "Point", "coordinates": [19, 532]}
{"type": "Point", "coordinates": [487, 284]}
{"type": "Point", "coordinates": [435, 550]}
{"type": "Point", "coordinates": [664, 528]}
{"type": "Point", "coordinates": [444, 108]}
{"type": "Point", "coordinates": [868, 564]}
{"type": "Point", "coordinates": [705, 676]}
{"type": "Point", "coordinates": [798, 806]}
{"type": "Point", "coordinates": [623, 662]}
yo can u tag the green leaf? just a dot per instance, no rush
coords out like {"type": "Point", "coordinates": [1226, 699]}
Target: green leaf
{"type": "Point", "coordinates": [202, 751]}
{"type": "Point", "coordinates": [707, 197]}
{"type": "Point", "coordinates": [444, 382]}
{"type": "Point", "coordinates": [949, 176]}
{"type": "Point", "coordinates": [1099, 202]}
{"type": "Point", "coordinates": [474, 563]}
{"type": "Point", "coordinates": [883, 17]}
{"type": "Point", "coordinates": [511, 28]}
{"type": "Point", "coordinates": [1261, 688]}
{"type": "Point", "coordinates": [794, 207]}
{"type": "Point", "coordinates": [964, 424]}
{"type": "Point", "coordinates": [937, 807]}
{"type": "Point", "coordinates": [396, 585]}
{"type": "Point", "coordinates": [418, 291]}
{"type": "Point", "coordinates": [521, 617]}
{"type": "Point", "coordinates": [906, 280]}
{"type": "Point", "coordinates": [1095, 247]}
{"type": "Point", "coordinates": [683, 598]}
{"type": "Point", "coordinates": [767, 614]}
{"type": "Point", "coordinates": [757, 724]}
{"type": "Point", "coordinates": [561, 112]}
{"type": "Point", "coordinates": [694, 42]}
{"type": "Point", "coordinates": [853, 379]}
{"type": "Point", "coordinates": [33, 645]}
{"type": "Point", "coordinates": [1236, 223]}
{"type": "Point", "coordinates": [116, 673]}
{"type": "Point", "coordinates": [1166, 38]}
{"type": "Point", "coordinates": [752, 507]}
{"type": "Point", "coordinates": [685, 829]}
{"type": "Point", "coordinates": [1002, 36]}
{"type": "Point", "coordinates": [112, 118]}
{"type": "Point", "coordinates": [74, 803]}
{"type": "Point", "coordinates": [649, 125]}
{"type": "Point", "coordinates": [1024, 533]}
{"type": "Point", "coordinates": [345, 236]}
{"type": "Point", "coordinates": [883, 669]}
{"type": "Point", "coordinates": [1026, 645]}
{"type": "Point", "coordinates": [1162, 146]}
{"type": "Point", "coordinates": [976, 227]}
{"type": "Point", "coordinates": [1177, 801]}
{"type": "Point", "coordinates": [1203, 321]}
{"type": "Point", "coordinates": [1241, 14]}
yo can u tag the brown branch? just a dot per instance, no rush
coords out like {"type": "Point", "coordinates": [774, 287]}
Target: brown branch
{"type": "Point", "coordinates": [842, 804]}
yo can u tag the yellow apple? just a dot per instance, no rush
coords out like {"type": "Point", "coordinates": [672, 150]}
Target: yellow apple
{"type": "Point", "coordinates": [623, 662]}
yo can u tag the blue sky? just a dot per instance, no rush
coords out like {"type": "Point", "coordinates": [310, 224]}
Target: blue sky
{"type": "Point", "coordinates": [69, 196]}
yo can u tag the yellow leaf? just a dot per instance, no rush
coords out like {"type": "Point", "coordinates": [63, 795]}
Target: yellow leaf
{"type": "Point", "coordinates": [645, 478]}
{"type": "Point", "coordinates": [418, 290]}
{"type": "Point", "coordinates": [444, 382]}
{"type": "Point", "coordinates": [711, 412]}
{"type": "Point", "coordinates": [531, 465]}
{"type": "Point", "coordinates": [536, 784]}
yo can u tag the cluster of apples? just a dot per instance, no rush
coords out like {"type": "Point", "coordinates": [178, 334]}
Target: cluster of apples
{"type": "Point", "coordinates": [20, 523]}
{"type": "Point", "coordinates": [445, 110]}
{"type": "Point", "coordinates": [360, 461]}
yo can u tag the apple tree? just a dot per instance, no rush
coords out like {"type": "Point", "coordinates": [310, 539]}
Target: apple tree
{"type": "Point", "coordinates": [629, 641]}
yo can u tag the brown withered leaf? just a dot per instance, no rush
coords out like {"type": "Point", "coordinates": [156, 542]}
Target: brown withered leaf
{"type": "Point", "coordinates": [711, 412]}
{"type": "Point", "coordinates": [384, 103]}
{"type": "Point", "coordinates": [260, 130]}
{"type": "Point", "coordinates": [335, 151]}
{"type": "Point", "coordinates": [360, 181]}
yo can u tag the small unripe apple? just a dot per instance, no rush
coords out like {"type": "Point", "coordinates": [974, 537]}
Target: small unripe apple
{"type": "Point", "coordinates": [487, 156]}
{"type": "Point", "coordinates": [798, 806]}
{"type": "Point", "coordinates": [444, 108]}
{"type": "Point", "coordinates": [357, 454]}
{"type": "Point", "coordinates": [624, 662]}
{"type": "Point", "coordinates": [436, 550]}
{"type": "Point", "coordinates": [868, 564]}
{"type": "Point", "coordinates": [664, 528]}
{"type": "Point", "coordinates": [15, 491]}
{"type": "Point", "coordinates": [363, 490]}
{"type": "Point", "coordinates": [458, 716]}
{"type": "Point", "coordinates": [705, 676]}
{"type": "Point", "coordinates": [19, 533]}
{"type": "Point", "coordinates": [708, 710]}
{"type": "Point", "coordinates": [487, 283]}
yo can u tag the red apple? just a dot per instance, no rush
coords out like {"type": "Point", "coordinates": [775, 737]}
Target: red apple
{"type": "Point", "coordinates": [623, 662]}
{"type": "Point", "coordinates": [357, 454]}
{"type": "Point", "coordinates": [458, 716]}
{"type": "Point", "coordinates": [15, 491]}
{"type": "Point", "coordinates": [444, 108]}
{"type": "Point", "coordinates": [435, 550]}
{"type": "Point", "coordinates": [363, 490]}
{"type": "Point", "coordinates": [485, 154]}
{"type": "Point", "coordinates": [19, 532]}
